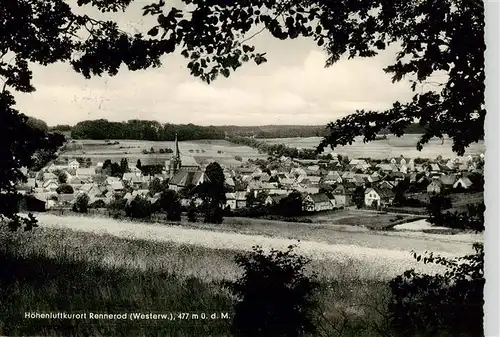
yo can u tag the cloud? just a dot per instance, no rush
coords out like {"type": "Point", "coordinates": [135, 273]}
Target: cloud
{"type": "Point", "coordinates": [294, 87]}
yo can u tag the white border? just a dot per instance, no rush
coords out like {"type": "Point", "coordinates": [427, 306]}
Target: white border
{"type": "Point", "coordinates": [491, 195]}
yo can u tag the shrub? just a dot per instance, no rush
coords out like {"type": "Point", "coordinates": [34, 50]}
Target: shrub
{"type": "Point", "coordinates": [99, 203]}
{"type": "Point", "coordinates": [65, 189]}
{"type": "Point", "coordinates": [431, 305]}
{"type": "Point", "coordinates": [139, 208]}
{"type": "Point", "coordinates": [275, 297]}
{"type": "Point", "coordinates": [191, 212]}
{"type": "Point", "coordinates": [81, 204]}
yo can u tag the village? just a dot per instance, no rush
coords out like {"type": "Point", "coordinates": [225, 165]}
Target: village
{"type": "Point", "coordinates": [324, 184]}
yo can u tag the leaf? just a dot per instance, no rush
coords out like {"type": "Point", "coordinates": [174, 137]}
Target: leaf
{"type": "Point", "coordinates": [225, 72]}
{"type": "Point", "coordinates": [153, 31]}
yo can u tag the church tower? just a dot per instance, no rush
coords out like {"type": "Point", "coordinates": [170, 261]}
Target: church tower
{"type": "Point", "coordinates": [175, 163]}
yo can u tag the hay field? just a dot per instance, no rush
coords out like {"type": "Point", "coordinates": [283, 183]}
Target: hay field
{"type": "Point", "coordinates": [203, 150]}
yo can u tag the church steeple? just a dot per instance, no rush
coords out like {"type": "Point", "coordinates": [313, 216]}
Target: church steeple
{"type": "Point", "coordinates": [175, 163]}
{"type": "Point", "coordinates": [177, 152]}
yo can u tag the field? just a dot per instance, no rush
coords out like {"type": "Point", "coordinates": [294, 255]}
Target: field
{"type": "Point", "coordinates": [383, 149]}
{"type": "Point", "coordinates": [80, 264]}
{"type": "Point", "coordinates": [203, 150]}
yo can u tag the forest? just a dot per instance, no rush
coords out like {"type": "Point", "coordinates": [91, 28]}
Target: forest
{"type": "Point", "coordinates": [156, 131]}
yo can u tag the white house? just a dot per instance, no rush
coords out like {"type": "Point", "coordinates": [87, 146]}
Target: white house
{"type": "Point", "coordinates": [374, 198]}
{"type": "Point", "coordinates": [434, 187]}
{"type": "Point", "coordinates": [73, 165]}
{"type": "Point", "coordinates": [463, 182]}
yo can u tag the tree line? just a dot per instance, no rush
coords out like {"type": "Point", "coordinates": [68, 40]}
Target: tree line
{"type": "Point", "coordinates": [156, 131]}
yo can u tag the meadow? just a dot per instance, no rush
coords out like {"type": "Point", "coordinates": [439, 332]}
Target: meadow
{"type": "Point", "coordinates": [57, 270]}
{"type": "Point", "coordinates": [203, 151]}
{"type": "Point", "coordinates": [78, 264]}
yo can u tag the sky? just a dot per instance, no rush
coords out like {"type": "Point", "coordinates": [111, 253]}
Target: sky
{"type": "Point", "coordinates": [293, 87]}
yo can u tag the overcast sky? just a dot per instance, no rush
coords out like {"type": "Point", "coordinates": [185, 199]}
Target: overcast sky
{"type": "Point", "coordinates": [293, 87]}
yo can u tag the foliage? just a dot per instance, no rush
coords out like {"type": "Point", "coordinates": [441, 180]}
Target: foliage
{"type": "Point", "coordinates": [139, 164]}
{"type": "Point", "coordinates": [453, 301]}
{"type": "Point", "coordinates": [157, 186]}
{"type": "Point", "coordinates": [291, 205]}
{"type": "Point", "coordinates": [139, 208]}
{"type": "Point", "coordinates": [275, 296]}
{"type": "Point", "coordinates": [191, 212]}
{"type": "Point", "coordinates": [65, 189]}
{"type": "Point", "coordinates": [99, 203]}
{"type": "Point", "coordinates": [277, 150]}
{"type": "Point", "coordinates": [61, 176]}
{"type": "Point", "coordinates": [358, 197]}
{"type": "Point", "coordinates": [170, 203]}
{"type": "Point", "coordinates": [124, 165]}
{"type": "Point", "coordinates": [117, 204]}
{"type": "Point", "coordinates": [213, 193]}
{"type": "Point", "coordinates": [81, 204]}
{"type": "Point", "coordinates": [472, 219]}
{"type": "Point", "coordinates": [437, 204]}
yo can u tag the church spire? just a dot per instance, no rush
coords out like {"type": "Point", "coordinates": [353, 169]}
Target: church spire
{"type": "Point", "coordinates": [177, 152]}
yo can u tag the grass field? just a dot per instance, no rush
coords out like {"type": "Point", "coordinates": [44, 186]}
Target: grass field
{"type": "Point", "coordinates": [54, 270]}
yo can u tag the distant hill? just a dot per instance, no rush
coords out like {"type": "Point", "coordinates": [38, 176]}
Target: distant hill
{"type": "Point", "coordinates": [153, 130]}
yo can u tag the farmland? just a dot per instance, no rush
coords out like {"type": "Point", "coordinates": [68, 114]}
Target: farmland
{"type": "Point", "coordinates": [384, 149]}
{"type": "Point", "coordinates": [203, 151]}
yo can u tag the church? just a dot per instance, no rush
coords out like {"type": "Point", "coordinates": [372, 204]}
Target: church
{"type": "Point", "coordinates": [183, 171]}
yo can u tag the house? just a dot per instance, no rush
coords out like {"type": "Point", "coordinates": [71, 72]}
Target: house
{"type": "Point", "coordinates": [333, 177]}
{"type": "Point", "coordinates": [53, 167]}
{"type": "Point", "coordinates": [183, 179]}
{"type": "Point", "coordinates": [378, 198]}
{"type": "Point", "coordinates": [92, 190]}
{"type": "Point", "coordinates": [448, 180]}
{"type": "Point", "coordinates": [273, 199]}
{"type": "Point", "coordinates": [50, 185]}
{"type": "Point", "coordinates": [342, 196]}
{"type": "Point", "coordinates": [85, 172]}
{"type": "Point", "coordinates": [65, 199]}
{"type": "Point", "coordinates": [435, 187]}
{"type": "Point", "coordinates": [133, 179]}
{"type": "Point", "coordinates": [317, 202]}
{"type": "Point", "coordinates": [236, 200]}
{"type": "Point", "coordinates": [49, 176]}
{"type": "Point", "coordinates": [385, 185]}
{"type": "Point", "coordinates": [74, 165]}
{"type": "Point", "coordinates": [463, 182]}
{"type": "Point", "coordinates": [116, 186]}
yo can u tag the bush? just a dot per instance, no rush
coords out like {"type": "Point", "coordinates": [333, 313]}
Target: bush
{"type": "Point", "coordinates": [432, 305]}
{"type": "Point", "coordinates": [65, 189]}
{"type": "Point", "coordinates": [81, 204]}
{"type": "Point", "coordinates": [191, 212]}
{"type": "Point", "coordinates": [275, 297]}
{"type": "Point", "coordinates": [139, 208]}
{"type": "Point", "coordinates": [98, 204]}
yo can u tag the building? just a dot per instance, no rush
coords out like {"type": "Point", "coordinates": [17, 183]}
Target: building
{"type": "Point", "coordinates": [73, 165]}
{"type": "Point", "coordinates": [435, 187]}
{"type": "Point", "coordinates": [463, 182]}
{"type": "Point", "coordinates": [236, 200]}
{"type": "Point", "coordinates": [378, 198]}
{"type": "Point", "coordinates": [317, 202]}
{"type": "Point", "coordinates": [183, 179]}
{"type": "Point", "coordinates": [181, 163]}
